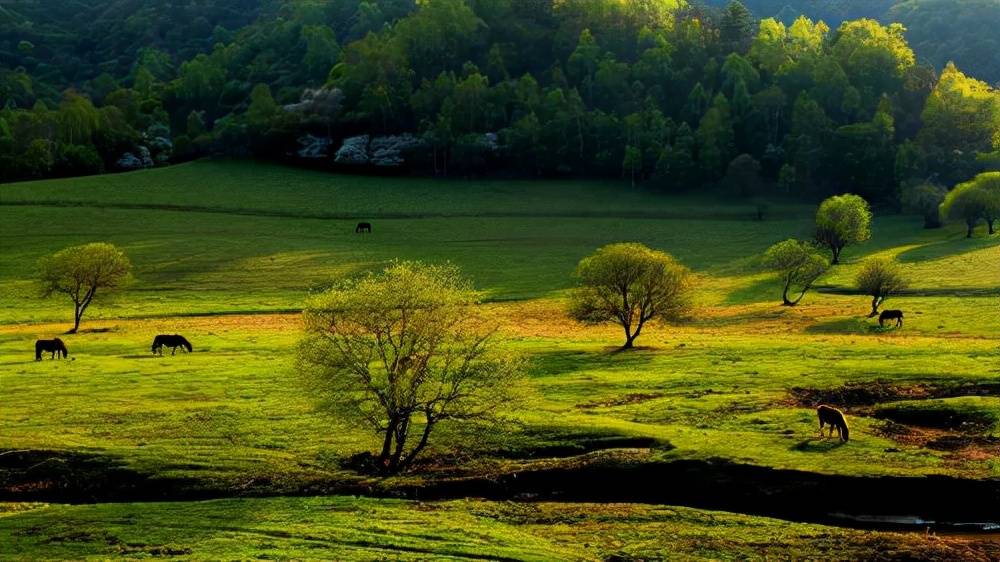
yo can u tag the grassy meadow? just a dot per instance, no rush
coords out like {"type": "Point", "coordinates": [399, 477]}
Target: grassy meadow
{"type": "Point", "coordinates": [225, 253]}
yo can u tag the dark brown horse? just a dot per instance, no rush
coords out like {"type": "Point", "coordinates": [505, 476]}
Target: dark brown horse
{"type": "Point", "coordinates": [896, 315]}
{"type": "Point", "coordinates": [363, 227]}
{"type": "Point", "coordinates": [835, 419]}
{"type": "Point", "coordinates": [172, 341]}
{"type": "Point", "coordinates": [56, 346]}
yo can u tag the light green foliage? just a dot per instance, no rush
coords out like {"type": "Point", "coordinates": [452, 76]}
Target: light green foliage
{"type": "Point", "coordinates": [81, 272]}
{"type": "Point", "coordinates": [961, 119]}
{"type": "Point", "coordinates": [630, 284]}
{"type": "Point", "coordinates": [880, 278]}
{"type": "Point", "coordinates": [843, 220]}
{"type": "Point", "coordinates": [973, 201]}
{"type": "Point", "coordinates": [799, 265]}
{"type": "Point", "coordinates": [400, 348]}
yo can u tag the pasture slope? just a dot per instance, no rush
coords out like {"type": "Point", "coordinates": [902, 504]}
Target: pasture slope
{"type": "Point", "coordinates": [235, 464]}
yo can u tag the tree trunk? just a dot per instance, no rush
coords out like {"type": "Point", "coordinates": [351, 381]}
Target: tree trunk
{"type": "Point", "coordinates": [876, 302]}
{"type": "Point", "coordinates": [390, 431]}
{"type": "Point", "coordinates": [968, 231]}
{"type": "Point", "coordinates": [784, 295]}
{"type": "Point", "coordinates": [408, 459]}
{"type": "Point", "coordinates": [836, 255]}
{"type": "Point", "coordinates": [77, 316]}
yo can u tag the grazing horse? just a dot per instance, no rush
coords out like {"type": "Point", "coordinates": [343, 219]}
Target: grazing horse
{"type": "Point", "coordinates": [363, 227]}
{"type": "Point", "coordinates": [835, 419]}
{"type": "Point", "coordinates": [56, 346]}
{"type": "Point", "coordinates": [173, 342]}
{"type": "Point", "coordinates": [896, 315]}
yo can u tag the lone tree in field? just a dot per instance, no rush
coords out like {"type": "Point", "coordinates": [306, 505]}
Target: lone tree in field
{"type": "Point", "coordinates": [880, 278]}
{"type": "Point", "coordinates": [973, 201]}
{"type": "Point", "coordinates": [81, 272]}
{"type": "Point", "coordinates": [843, 220]}
{"type": "Point", "coordinates": [799, 265]}
{"type": "Point", "coordinates": [925, 199]}
{"type": "Point", "coordinates": [629, 284]}
{"type": "Point", "coordinates": [400, 351]}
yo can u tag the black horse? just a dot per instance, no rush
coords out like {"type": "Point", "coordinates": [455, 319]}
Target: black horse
{"type": "Point", "coordinates": [173, 342]}
{"type": "Point", "coordinates": [896, 315]}
{"type": "Point", "coordinates": [363, 227]}
{"type": "Point", "coordinates": [56, 346]}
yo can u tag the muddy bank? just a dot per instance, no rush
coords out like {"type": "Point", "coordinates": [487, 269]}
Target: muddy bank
{"type": "Point", "coordinates": [867, 394]}
{"type": "Point", "coordinates": [934, 501]}
{"type": "Point", "coordinates": [726, 486]}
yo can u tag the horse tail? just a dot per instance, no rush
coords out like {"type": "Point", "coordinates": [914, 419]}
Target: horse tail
{"type": "Point", "coordinates": [38, 351]}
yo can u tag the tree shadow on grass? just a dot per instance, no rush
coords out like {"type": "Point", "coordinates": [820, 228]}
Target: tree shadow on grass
{"type": "Point", "coordinates": [569, 361]}
{"type": "Point", "coordinates": [947, 248]}
{"type": "Point", "coordinates": [766, 289]}
{"type": "Point", "coordinates": [846, 326]}
{"type": "Point", "coordinates": [818, 445]}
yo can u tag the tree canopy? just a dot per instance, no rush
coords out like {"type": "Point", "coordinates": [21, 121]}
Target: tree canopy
{"type": "Point", "coordinates": [880, 278]}
{"type": "Point", "coordinates": [841, 221]}
{"type": "Point", "coordinates": [798, 264]}
{"type": "Point", "coordinates": [84, 272]}
{"type": "Point", "coordinates": [666, 93]}
{"type": "Point", "coordinates": [402, 350]}
{"type": "Point", "coordinates": [630, 284]}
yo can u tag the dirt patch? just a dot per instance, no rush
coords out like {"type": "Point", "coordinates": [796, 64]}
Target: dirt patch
{"type": "Point", "coordinates": [854, 395]}
{"type": "Point", "coordinates": [625, 400]}
{"type": "Point", "coordinates": [867, 394]}
{"type": "Point", "coordinates": [960, 421]}
{"type": "Point", "coordinates": [37, 475]}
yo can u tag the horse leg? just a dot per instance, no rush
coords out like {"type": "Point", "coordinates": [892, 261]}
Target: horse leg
{"type": "Point", "coordinates": [173, 350]}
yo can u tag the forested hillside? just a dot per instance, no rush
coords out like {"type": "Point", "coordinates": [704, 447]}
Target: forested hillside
{"type": "Point", "coordinates": [660, 92]}
{"type": "Point", "coordinates": [963, 31]}
{"type": "Point", "coordinates": [833, 12]}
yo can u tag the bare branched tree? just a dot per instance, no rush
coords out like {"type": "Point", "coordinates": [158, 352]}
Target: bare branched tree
{"type": "Point", "coordinates": [402, 350]}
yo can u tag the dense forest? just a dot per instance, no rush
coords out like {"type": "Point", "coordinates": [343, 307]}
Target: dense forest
{"type": "Point", "coordinates": [657, 91]}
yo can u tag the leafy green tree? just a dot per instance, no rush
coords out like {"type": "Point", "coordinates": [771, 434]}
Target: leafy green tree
{"type": "Point", "coordinates": [716, 138]}
{"type": "Point", "coordinates": [843, 220]}
{"type": "Point", "coordinates": [631, 285]}
{"type": "Point", "coordinates": [973, 201]}
{"type": "Point", "coordinates": [401, 351]}
{"type": "Point", "coordinates": [81, 271]}
{"type": "Point", "coordinates": [799, 266]}
{"type": "Point", "coordinates": [880, 278]}
{"type": "Point", "coordinates": [736, 28]}
{"type": "Point", "coordinates": [632, 162]}
{"type": "Point", "coordinates": [322, 51]}
{"type": "Point", "coordinates": [925, 199]}
{"type": "Point", "coordinates": [876, 56]}
{"type": "Point", "coordinates": [676, 165]}
{"type": "Point", "coordinates": [769, 49]}
{"type": "Point", "coordinates": [38, 158]}
{"type": "Point", "coordinates": [807, 140]}
{"type": "Point", "coordinates": [961, 119]}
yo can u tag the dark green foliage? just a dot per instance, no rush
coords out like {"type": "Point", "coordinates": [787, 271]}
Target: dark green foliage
{"type": "Point", "coordinates": [659, 91]}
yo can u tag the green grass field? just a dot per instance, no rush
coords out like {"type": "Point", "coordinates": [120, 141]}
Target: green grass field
{"type": "Point", "coordinates": [225, 252]}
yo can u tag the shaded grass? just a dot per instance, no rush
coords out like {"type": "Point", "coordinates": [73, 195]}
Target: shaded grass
{"type": "Point", "coordinates": [345, 528]}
